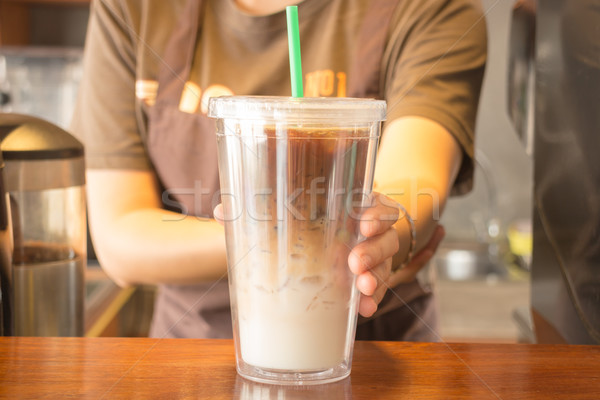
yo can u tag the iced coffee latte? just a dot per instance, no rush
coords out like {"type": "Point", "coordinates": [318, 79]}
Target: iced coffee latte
{"type": "Point", "coordinates": [295, 175]}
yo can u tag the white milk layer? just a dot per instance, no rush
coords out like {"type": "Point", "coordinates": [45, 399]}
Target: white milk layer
{"type": "Point", "coordinates": [293, 294]}
{"type": "Point", "coordinates": [302, 327]}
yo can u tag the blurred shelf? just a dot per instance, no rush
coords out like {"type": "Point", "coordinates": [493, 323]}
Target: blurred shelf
{"type": "Point", "coordinates": [19, 18]}
{"type": "Point", "coordinates": [48, 2]}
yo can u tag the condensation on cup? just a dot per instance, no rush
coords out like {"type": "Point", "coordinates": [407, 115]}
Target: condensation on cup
{"type": "Point", "coordinates": [295, 174]}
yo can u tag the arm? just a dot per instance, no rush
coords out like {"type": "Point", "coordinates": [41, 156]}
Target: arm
{"type": "Point", "coordinates": [417, 171]}
{"type": "Point", "coordinates": [138, 242]}
{"type": "Point", "coordinates": [135, 240]}
{"type": "Point", "coordinates": [433, 77]}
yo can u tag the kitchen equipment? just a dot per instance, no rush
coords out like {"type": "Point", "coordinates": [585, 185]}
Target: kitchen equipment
{"type": "Point", "coordinates": [486, 255]}
{"type": "Point", "coordinates": [45, 181]}
{"type": "Point", "coordinates": [6, 248]}
{"type": "Point", "coordinates": [470, 260]}
{"type": "Point", "coordinates": [565, 264]}
{"type": "Point", "coordinates": [521, 71]}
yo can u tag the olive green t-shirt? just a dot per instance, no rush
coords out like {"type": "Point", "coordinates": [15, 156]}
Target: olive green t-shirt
{"type": "Point", "coordinates": [432, 65]}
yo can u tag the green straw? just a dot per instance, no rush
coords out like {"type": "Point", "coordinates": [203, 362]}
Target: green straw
{"type": "Point", "coordinates": [294, 49]}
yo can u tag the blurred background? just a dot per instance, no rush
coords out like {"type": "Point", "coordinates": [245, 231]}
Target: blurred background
{"type": "Point", "coordinates": [40, 68]}
{"type": "Point", "coordinates": [482, 272]}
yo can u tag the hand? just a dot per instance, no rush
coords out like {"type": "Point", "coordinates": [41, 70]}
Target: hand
{"type": "Point", "coordinates": [371, 259]}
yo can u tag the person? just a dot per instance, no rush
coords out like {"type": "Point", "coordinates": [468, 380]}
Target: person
{"type": "Point", "coordinates": [150, 67]}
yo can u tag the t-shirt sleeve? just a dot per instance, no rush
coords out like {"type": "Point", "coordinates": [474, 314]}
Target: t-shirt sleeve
{"type": "Point", "coordinates": [105, 117]}
{"type": "Point", "coordinates": [435, 69]}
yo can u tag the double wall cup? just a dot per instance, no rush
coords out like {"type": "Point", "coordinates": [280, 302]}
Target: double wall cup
{"type": "Point", "coordinates": [295, 174]}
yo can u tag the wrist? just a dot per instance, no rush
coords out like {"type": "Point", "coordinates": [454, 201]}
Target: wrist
{"type": "Point", "coordinates": [412, 238]}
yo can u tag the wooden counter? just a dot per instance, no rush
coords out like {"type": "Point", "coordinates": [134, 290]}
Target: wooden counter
{"type": "Point", "coordinates": [204, 369]}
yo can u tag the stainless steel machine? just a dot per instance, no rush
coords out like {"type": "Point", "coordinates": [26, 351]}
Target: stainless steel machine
{"type": "Point", "coordinates": [44, 177]}
{"type": "Point", "coordinates": [554, 102]}
{"type": "Point", "coordinates": [6, 251]}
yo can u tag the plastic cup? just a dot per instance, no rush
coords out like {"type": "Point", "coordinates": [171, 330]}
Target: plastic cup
{"type": "Point", "coordinates": [295, 174]}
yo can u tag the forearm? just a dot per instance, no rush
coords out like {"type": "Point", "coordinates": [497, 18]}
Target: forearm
{"type": "Point", "coordinates": [138, 242]}
{"type": "Point", "coordinates": [153, 246]}
{"type": "Point", "coordinates": [417, 164]}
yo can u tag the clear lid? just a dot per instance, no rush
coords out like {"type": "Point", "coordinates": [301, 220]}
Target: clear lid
{"type": "Point", "coordinates": [293, 109]}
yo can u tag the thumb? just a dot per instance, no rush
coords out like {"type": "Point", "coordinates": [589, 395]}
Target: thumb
{"type": "Point", "coordinates": [218, 213]}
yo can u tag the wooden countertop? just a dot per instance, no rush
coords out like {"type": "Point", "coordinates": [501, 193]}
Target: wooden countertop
{"type": "Point", "coordinates": [205, 369]}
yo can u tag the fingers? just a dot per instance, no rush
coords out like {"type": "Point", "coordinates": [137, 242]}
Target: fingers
{"type": "Point", "coordinates": [368, 282]}
{"type": "Point", "coordinates": [373, 282]}
{"type": "Point", "coordinates": [371, 259]}
{"type": "Point", "coordinates": [218, 213]}
{"type": "Point", "coordinates": [373, 251]}
{"type": "Point", "coordinates": [372, 286]}
{"type": "Point", "coordinates": [368, 303]}
{"type": "Point", "coordinates": [367, 306]}
{"type": "Point", "coordinates": [379, 218]}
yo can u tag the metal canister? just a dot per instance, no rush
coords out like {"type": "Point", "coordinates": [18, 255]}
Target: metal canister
{"type": "Point", "coordinates": [45, 179]}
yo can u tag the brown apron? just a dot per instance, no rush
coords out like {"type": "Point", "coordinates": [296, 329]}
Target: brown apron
{"type": "Point", "coordinates": [182, 147]}
{"type": "Point", "coordinates": [183, 150]}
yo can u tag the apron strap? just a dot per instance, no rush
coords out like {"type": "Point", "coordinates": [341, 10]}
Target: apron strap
{"type": "Point", "coordinates": [179, 55]}
{"type": "Point", "coordinates": [364, 75]}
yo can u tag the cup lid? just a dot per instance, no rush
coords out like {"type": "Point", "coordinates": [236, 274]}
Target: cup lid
{"type": "Point", "coordinates": [297, 109]}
